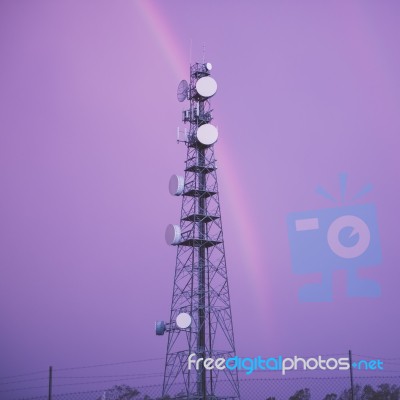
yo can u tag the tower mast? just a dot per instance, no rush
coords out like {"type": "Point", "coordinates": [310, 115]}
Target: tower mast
{"type": "Point", "coordinates": [200, 324]}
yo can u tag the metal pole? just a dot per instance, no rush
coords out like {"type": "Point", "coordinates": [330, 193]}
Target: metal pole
{"type": "Point", "coordinates": [50, 381]}
{"type": "Point", "coordinates": [202, 392]}
{"type": "Point", "coordinates": [351, 375]}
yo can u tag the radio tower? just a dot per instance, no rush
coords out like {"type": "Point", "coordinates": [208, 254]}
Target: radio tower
{"type": "Point", "coordinates": [200, 322]}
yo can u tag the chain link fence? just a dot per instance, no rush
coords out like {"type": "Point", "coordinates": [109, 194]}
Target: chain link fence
{"type": "Point", "coordinates": [288, 388]}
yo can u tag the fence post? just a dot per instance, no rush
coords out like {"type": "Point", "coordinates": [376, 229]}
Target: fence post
{"type": "Point", "coordinates": [351, 376]}
{"type": "Point", "coordinates": [50, 381]}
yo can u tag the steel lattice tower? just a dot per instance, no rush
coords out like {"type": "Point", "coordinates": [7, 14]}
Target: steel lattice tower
{"type": "Point", "coordinates": [200, 320]}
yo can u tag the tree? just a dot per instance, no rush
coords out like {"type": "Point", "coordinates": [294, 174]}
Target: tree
{"type": "Point", "coordinates": [302, 394]}
{"type": "Point", "coordinates": [388, 392]}
{"type": "Point", "coordinates": [331, 396]}
{"type": "Point", "coordinates": [368, 393]}
{"type": "Point", "coordinates": [346, 394]}
{"type": "Point", "coordinates": [385, 391]}
{"type": "Point", "coordinates": [120, 392]}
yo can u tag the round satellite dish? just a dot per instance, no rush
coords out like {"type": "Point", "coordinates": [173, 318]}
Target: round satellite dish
{"type": "Point", "coordinates": [176, 185]}
{"type": "Point", "coordinates": [173, 234]}
{"type": "Point", "coordinates": [182, 91]}
{"type": "Point", "coordinates": [209, 66]}
{"type": "Point", "coordinates": [206, 86]}
{"type": "Point", "coordinates": [183, 320]}
{"type": "Point", "coordinates": [207, 134]}
{"type": "Point", "coordinates": [160, 328]}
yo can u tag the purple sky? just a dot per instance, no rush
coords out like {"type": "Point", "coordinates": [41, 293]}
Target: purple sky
{"type": "Point", "coordinates": [88, 118]}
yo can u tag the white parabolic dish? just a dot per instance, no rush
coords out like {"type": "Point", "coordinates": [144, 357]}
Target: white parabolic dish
{"type": "Point", "coordinates": [173, 234]}
{"type": "Point", "coordinates": [176, 185]}
{"type": "Point", "coordinates": [183, 320]}
{"type": "Point", "coordinates": [207, 134]}
{"type": "Point", "coordinates": [206, 86]}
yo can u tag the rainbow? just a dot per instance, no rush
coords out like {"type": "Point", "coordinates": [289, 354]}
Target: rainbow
{"type": "Point", "coordinates": [252, 263]}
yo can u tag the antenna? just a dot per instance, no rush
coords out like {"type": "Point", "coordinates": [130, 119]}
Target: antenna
{"type": "Point", "coordinates": [204, 52]}
{"type": "Point", "coordinates": [190, 52]}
